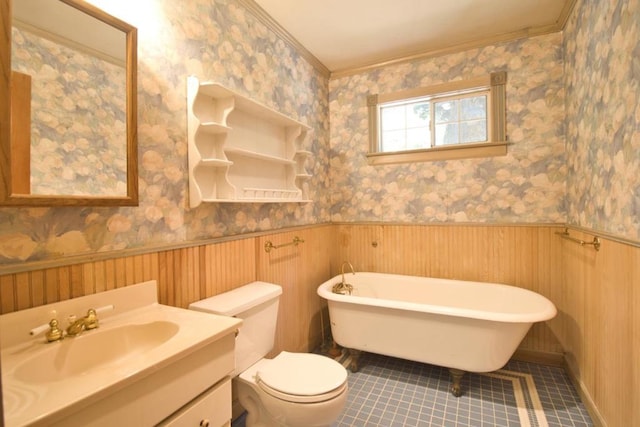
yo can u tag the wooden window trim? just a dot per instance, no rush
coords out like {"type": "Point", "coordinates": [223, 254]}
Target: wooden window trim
{"type": "Point", "coordinates": [496, 146]}
{"type": "Point", "coordinates": [442, 152]}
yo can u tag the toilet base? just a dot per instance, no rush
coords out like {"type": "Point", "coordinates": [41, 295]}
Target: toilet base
{"type": "Point", "coordinates": [264, 410]}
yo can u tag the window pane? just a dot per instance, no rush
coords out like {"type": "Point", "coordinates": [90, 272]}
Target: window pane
{"type": "Point", "coordinates": [418, 138]}
{"type": "Point", "coordinates": [455, 119]}
{"type": "Point", "coordinates": [446, 111]}
{"type": "Point", "coordinates": [418, 115]}
{"type": "Point", "coordinates": [473, 131]}
{"type": "Point", "coordinates": [393, 117]}
{"type": "Point", "coordinates": [473, 108]}
{"type": "Point", "coordinates": [447, 134]}
{"type": "Point", "coordinates": [393, 140]}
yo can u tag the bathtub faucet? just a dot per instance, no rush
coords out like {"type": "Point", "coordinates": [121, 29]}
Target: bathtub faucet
{"type": "Point", "coordinates": [343, 287]}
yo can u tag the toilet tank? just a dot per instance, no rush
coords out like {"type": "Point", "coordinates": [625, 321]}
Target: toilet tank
{"type": "Point", "coordinates": [257, 305]}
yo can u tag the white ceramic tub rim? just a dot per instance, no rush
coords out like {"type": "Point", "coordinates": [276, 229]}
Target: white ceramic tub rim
{"type": "Point", "coordinates": [547, 308]}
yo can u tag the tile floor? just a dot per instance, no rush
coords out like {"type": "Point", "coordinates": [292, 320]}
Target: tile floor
{"type": "Point", "coordinates": [389, 392]}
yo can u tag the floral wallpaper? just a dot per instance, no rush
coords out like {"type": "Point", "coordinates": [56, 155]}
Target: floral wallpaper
{"type": "Point", "coordinates": [78, 125]}
{"type": "Point", "coordinates": [572, 121]}
{"type": "Point", "coordinates": [214, 40]}
{"type": "Point", "coordinates": [602, 46]}
{"type": "Point", "coordinates": [526, 185]}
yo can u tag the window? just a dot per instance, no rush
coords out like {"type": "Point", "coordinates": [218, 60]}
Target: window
{"type": "Point", "coordinates": [453, 120]}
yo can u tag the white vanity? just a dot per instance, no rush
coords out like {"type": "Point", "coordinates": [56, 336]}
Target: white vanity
{"type": "Point", "coordinates": [146, 364]}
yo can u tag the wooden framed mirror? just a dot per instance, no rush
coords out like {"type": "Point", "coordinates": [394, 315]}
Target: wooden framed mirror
{"type": "Point", "coordinates": [68, 114]}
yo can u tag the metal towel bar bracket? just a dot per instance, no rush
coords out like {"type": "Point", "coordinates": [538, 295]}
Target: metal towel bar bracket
{"type": "Point", "coordinates": [565, 235]}
{"type": "Point", "coordinates": [269, 244]}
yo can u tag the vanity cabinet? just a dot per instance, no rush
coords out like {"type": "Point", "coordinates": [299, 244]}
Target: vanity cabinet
{"type": "Point", "coordinates": [146, 364]}
{"type": "Point", "coordinates": [211, 409]}
{"type": "Point", "coordinates": [181, 391]}
{"type": "Point", "coordinates": [241, 150]}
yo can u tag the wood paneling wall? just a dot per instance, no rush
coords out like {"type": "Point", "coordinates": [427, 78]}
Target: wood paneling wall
{"type": "Point", "coordinates": [597, 293]}
{"type": "Point", "coordinates": [189, 274]}
{"type": "Point", "coordinates": [600, 306]}
{"type": "Point", "coordinates": [299, 270]}
{"type": "Point", "coordinates": [524, 256]}
{"type": "Point", "coordinates": [183, 275]}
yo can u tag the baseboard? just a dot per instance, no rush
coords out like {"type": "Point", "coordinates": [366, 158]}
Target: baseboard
{"type": "Point", "coordinates": [589, 404]}
{"type": "Point", "coordinates": [540, 357]}
{"type": "Point", "coordinates": [560, 360]}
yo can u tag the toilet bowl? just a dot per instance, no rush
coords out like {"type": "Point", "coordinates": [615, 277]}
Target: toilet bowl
{"type": "Point", "coordinates": [292, 389]}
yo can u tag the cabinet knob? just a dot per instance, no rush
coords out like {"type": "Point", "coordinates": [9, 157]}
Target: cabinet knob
{"type": "Point", "coordinates": [204, 423]}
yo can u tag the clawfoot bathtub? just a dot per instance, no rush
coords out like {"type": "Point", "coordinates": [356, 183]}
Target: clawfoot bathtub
{"type": "Point", "coordinates": [464, 326]}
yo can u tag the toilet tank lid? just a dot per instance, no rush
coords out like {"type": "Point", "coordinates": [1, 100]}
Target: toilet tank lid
{"type": "Point", "coordinates": [238, 300]}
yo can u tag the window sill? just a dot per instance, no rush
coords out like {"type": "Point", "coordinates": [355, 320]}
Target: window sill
{"type": "Point", "coordinates": [450, 152]}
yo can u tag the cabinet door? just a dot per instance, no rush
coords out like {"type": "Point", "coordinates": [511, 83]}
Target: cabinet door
{"type": "Point", "coordinates": [211, 409]}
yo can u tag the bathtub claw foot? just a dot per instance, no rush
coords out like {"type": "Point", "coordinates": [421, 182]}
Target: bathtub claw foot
{"type": "Point", "coordinates": [456, 377]}
{"type": "Point", "coordinates": [354, 366]}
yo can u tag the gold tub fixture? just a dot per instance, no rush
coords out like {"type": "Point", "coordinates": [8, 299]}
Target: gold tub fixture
{"type": "Point", "coordinates": [343, 287]}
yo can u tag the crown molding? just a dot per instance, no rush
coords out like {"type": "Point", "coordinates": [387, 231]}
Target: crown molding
{"type": "Point", "coordinates": [274, 26]}
{"type": "Point", "coordinates": [457, 48]}
{"type": "Point", "coordinates": [565, 14]}
{"type": "Point", "coordinates": [420, 54]}
{"type": "Point", "coordinates": [426, 53]}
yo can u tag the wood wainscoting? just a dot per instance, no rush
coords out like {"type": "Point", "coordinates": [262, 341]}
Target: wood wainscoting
{"type": "Point", "coordinates": [597, 293]}
{"type": "Point", "coordinates": [522, 255]}
{"type": "Point", "coordinates": [299, 270]}
{"type": "Point", "coordinates": [184, 275]}
{"type": "Point", "coordinates": [189, 274]}
{"type": "Point", "coordinates": [600, 308]}
{"type": "Point", "coordinates": [527, 256]}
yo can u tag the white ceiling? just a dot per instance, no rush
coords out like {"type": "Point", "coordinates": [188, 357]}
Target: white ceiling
{"type": "Point", "coordinates": [348, 34]}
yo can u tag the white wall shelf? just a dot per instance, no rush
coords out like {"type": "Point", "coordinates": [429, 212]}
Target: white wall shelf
{"type": "Point", "coordinates": [258, 156]}
{"type": "Point", "coordinates": [214, 128]}
{"type": "Point", "coordinates": [241, 150]}
{"type": "Point", "coordinates": [215, 162]}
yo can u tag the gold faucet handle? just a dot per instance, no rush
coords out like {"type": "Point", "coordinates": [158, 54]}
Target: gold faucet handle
{"type": "Point", "coordinates": [91, 321]}
{"type": "Point", "coordinates": [54, 333]}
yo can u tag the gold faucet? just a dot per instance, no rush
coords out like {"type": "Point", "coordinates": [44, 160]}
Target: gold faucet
{"type": "Point", "coordinates": [90, 321]}
{"type": "Point", "coordinates": [343, 287]}
{"type": "Point", "coordinates": [54, 333]}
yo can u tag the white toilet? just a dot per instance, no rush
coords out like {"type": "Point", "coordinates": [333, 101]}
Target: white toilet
{"type": "Point", "coordinates": [292, 389]}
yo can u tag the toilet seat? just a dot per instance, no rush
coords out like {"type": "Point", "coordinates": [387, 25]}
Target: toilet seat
{"type": "Point", "coordinates": [302, 377]}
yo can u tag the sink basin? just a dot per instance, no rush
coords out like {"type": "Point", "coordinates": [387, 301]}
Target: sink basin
{"type": "Point", "coordinates": [124, 372]}
{"type": "Point", "coordinates": [95, 349]}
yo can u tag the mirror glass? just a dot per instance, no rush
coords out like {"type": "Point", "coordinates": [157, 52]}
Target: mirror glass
{"type": "Point", "coordinates": [72, 96]}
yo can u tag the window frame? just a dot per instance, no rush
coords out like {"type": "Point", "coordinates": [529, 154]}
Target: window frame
{"type": "Point", "coordinates": [496, 121]}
